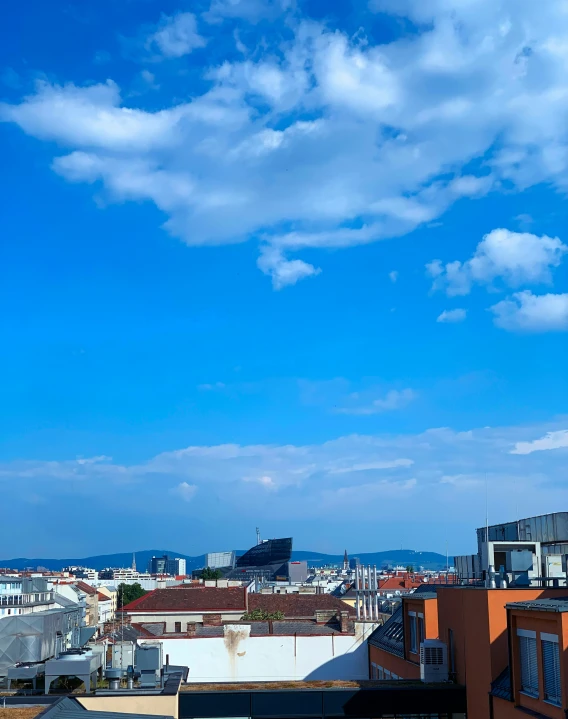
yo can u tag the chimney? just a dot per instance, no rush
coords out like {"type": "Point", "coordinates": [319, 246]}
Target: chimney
{"type": "Point", "coordinates": [212, 620]}
{"type": "Point", "coordinates": [191, 629]}
{"type": "Point", "coordinates": [344, 622]}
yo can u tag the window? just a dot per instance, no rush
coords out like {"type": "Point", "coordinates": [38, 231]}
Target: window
{"type": "Point", "coordinates": [528, 658]}
{"type": "Point", "coordinates": [381, 673]}
{"type": "Point", "coordinates": [451, 650]}
{"type": "Point", "coordinates": [387, 674]}
{"type": "Point", "coordinates": [177, 627]}
{"type": "Point", "coordinates": [420, 629]}
{"type": "Point", "coordinates": [551, 668]}
{"type": "Point", "coordinates": [412, 622]}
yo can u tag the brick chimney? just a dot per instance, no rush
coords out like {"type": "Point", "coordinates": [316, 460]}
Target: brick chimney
{"type": "Point", "coordinates": [325, 616]}
{"type": "Point", "coordinates": [344, 623]}
{"type": "Point", "coordinates": [191, 629]}
{"type": "Point", "coordinates": [212, 620]}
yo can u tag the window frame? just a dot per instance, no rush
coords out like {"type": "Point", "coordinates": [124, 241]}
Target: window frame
{"type": "Point", "coordinates": [413, 634]}
{"type": "Point", "coordinates": [528, 663]}
{"type": "Point", "coordinates": [549, 642]}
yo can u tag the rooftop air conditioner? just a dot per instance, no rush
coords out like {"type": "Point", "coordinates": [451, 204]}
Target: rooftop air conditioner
{"type": "Point", "coordinates": [433, 661]}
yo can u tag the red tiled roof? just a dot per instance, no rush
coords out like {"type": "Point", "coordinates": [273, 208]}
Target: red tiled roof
{"type": "Point", "coordinates": [86, 588]}
{"type": "Point", "coordinates": [191, 599]}
{"type": "Point", "coordinates": [294, 606]}
{"type": "Point", "coordinates": [103, 597]}
{"type": "Point", "coordinates": [398, 583]}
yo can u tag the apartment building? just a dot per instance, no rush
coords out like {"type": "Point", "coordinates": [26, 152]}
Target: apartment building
{"type": "Point", "coordinates": [479, 626]}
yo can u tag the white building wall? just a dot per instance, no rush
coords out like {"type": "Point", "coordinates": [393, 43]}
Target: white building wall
{"type": "Point", "coordinates": [239, 657]}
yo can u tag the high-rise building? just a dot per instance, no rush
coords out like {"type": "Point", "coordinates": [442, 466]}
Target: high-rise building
{"type": "Point", "coordinates": [267, 560]}
{"type": "Point", "coordinates": [220, 560]}
{"type": "Point", "coordinates": [167, 565]}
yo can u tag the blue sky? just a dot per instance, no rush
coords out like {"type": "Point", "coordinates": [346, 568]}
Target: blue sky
{"type": "Point", "coordinates": [299, 265]}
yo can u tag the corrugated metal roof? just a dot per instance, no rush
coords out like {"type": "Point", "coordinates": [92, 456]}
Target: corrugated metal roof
{"type": "Point", "coordinates": [501, 687]}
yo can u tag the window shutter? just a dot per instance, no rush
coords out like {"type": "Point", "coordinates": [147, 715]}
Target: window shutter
{"type": "Point", "coordinates": [529, 667]}
{"type": "Point", "coordinates": [551, 668]}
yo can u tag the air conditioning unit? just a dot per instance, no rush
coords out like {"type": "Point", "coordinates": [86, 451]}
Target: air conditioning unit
{"type": "Point", "coordinates": [433, 661]}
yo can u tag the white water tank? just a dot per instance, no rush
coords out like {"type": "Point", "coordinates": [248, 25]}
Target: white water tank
{"type": "Point", "coordinates": [433, 661]}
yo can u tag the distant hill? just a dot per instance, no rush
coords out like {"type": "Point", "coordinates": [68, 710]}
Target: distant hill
{"type": "Point", "coordinates": [404, 557]}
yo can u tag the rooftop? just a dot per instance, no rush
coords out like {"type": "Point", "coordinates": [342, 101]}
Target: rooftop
{"type": "Point", "coordinates": [154, 630]}
{"type": "Point", "coordinates": [196, 599]}
{"type": "Point", "coordinates": [541, 605]}
{"type": "Point", "coordinates": [390, 636]}
{"type": "Point", "coordinates": [294, 606]}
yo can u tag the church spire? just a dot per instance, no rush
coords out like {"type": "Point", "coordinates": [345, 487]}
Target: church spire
{"type": "Point", "coordinates": [345, 561]}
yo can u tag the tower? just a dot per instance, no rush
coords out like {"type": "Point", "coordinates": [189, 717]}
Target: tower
{"type": "Point", "coordinates": [133, 562]}
{"type": "Point", "coordinates": [345, 562]}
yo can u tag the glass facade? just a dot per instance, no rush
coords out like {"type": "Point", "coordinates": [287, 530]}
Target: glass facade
{"type": "Point", "coordinates": [273, 551]}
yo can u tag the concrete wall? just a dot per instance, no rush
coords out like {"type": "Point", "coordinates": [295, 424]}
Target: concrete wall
{"type": "Point", "coordinates": [240, 657]}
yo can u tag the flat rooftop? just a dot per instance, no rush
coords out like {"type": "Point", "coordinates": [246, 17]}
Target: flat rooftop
{"type": "Point", "coordinates": [296, 685]}
{"type": "Point", "coordinates": [541, 605]}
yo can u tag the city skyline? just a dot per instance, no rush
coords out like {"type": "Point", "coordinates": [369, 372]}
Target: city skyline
{"type": "Point", "coordinates": [285, 263]}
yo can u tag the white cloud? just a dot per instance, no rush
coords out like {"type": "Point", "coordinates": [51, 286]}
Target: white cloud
{"type": "Point", "coordinates": [176, 35]}
{"type": "Point", "coordinates": [551, 440]}
{"type": "Point", "coordinates": [393, 129]}
{"type": "Point", "coordinates": [430, 470]}
{"type": "Point", "coordinates": [394, 399]}
{"type": "Point", "coordinates": [517, 258]}
{"type": "Point", "coordinates": [393, 276]}
{"type": "Point", "coordinates": [532, 313]}
{"type": "Point", "coordinates": [209, 387]}
{"type": "Point", "coordinates": [264, 481]}
{"type": "Point", "coordinates": [184, 491]}
{"type": "Point", "coordinates": [457, 315]}
{"type": "Point", "coordinates": [282, 271]}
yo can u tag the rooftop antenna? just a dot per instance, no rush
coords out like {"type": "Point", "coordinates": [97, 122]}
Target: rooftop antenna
{"type": "Point", "coordinates": [257, 535]}
{"type": "Point", "coordinates": [486, 512]}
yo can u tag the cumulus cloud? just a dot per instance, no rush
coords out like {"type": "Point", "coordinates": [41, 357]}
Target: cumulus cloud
{"type": "Point", "coordinates": [551, 440]}
{"type": "Point", "coordinates": [516, 258]}
{"type": "Point", "coordinates": [457, 315]}
{"type": "Point", "coordinates": [282, 271]}
{"type": "Point", "coordinates": [176, 36]}
{"type": "Point", "coordinates": [526, 312]}
{"type": "Point", "coordinates": [184, 491]}
{"type": "Point", "coordinates": [394, 399]}
{"type": "Point", "coordinates": [394, 132]}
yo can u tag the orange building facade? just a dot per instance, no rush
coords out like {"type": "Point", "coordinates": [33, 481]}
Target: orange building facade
{"type": "Point", "coordinates": [480, 628]}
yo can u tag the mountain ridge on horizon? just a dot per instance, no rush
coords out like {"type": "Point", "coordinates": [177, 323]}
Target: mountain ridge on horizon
{"type": "Point", "coordinates": [429, 560]}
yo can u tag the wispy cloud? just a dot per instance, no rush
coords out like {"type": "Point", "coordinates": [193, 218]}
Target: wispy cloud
{"type": "Point", "coordinates": [457, 315]}
{"type": "Point", "coordinates": [393, 400]}
{"type": "Point", "coordinates": [551, 440]}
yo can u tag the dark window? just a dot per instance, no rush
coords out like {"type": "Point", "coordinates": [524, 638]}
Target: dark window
{"type": "Point", "coordinates": [177, 627]}
{"type": "Point", "coordinates": [551, 669]}
{"type": "Point", "coordinates": [412, 624]}
{"type": "Point", "coordinates": [451, 650]}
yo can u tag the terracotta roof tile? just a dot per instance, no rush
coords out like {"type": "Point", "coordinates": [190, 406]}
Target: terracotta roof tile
{"type": "Point", "coordinates": [191, 599]}
{"type": "Point", "coordinates": [294, 606]}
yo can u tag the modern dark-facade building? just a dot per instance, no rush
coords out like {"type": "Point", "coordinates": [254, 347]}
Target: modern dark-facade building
{"type": "Point", "coordinates": [267, 561]}
{"type": "Point", "coordinates": [166, 565]}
